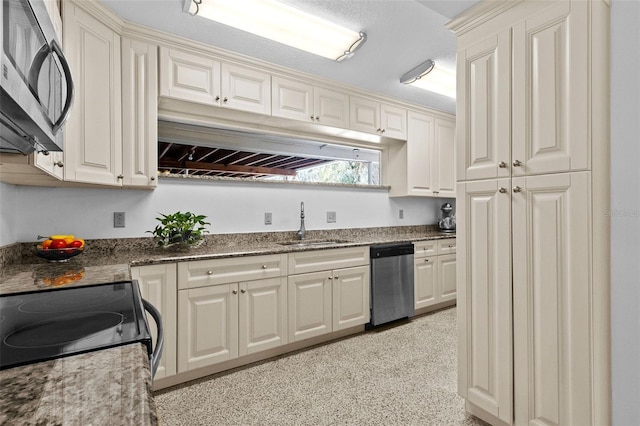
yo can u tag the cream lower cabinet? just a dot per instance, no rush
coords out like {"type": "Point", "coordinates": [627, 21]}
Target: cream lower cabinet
{"type": "Point", "coordinates": [434, 272]}
{"type": "Point", "coordinates": [322, 299]}
{"type": "Point", "coordinates": [158, 285]}
{"type": "Point", "coordinates": [229, 308]}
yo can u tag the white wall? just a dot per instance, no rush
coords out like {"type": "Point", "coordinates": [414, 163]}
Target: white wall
{"type": "Point", "coordinates": [7, 214]}
{"type": "Point", "coordinates": [625, 206]}
{"type": "Point", "coordinates": [230, 207]}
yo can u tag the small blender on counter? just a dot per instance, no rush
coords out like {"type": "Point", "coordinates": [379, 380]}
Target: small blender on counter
{"type": "Point", "coordinates": [448, 221]}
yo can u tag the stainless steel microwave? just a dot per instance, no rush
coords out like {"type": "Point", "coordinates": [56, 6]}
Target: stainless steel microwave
{"type": "Point", "coordinates": [36, 89]}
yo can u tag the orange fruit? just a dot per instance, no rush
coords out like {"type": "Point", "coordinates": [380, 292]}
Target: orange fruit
{"type": "Point", "coordinates": [46, 244]}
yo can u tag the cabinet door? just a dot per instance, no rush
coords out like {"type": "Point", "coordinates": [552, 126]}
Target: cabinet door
{"type": "Point", "coordinates": [350, 297]}
{"type": "Point", "coordinates": [485, 366]}
{"type": "Point", "coordinates": [551, 115]}
{"type": "Point", "coordinates": [292, 99]}
{"type": "Point", "coordinates": [331, 107]}
{"type": "Point", "coordinates": [444, 166]}
{"type": "Point", "coordinates": [189, 77]}
{"type": "Point", "coordinates": [446, 277]}
{"type": "Point", "coordinates": [246, 89]}
{"type": "Point", "coordinates": [425, 278]}
{"type": "Point", "coordinates": [553, 295]}
{"type": "Point", "coordinates": [420, 154]}
{"type": "Point", "coordinates": [51, 164]}
{"type": "Point", "coordinates": [364, 115]}
{"type": "Point", "coordinates": [263, 315]}
{"type": "Point", "coordinates": [309, 305]}
{"type": "Point", "coordinates": [139, 113]}
{"type": "Point", "coordinates": [93, 133]}
{"type": "Point", "coordinates": [393, 122]}
{"type": "Point", "coordinates": [207, 326]}
{"type": "Point", "coordinates": [484, 108]}
{"type": "Point", "coordinates": [158, 285]}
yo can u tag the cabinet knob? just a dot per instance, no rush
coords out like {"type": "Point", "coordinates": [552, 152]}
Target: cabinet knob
{"type": "Point", "coordinates": [502, 165]}
{"type": "Point", "coordinates": [517, 189]}
{"type": "Point", "coordinates": [378, 130]}
{"type": "Point", "coordinates": [217, 98]}
{"type": "Point", "coordinates": [517, 163]}
{"type": "Point", "coordinates": [225, 99]}
{"type": "Point", "coordinates": [502, 190]}
{"type": "Point", "coordinates": [317, 118]}
{"type": "Point", "coordinates": [312, 117]}
{"type": "Point", "coordinates": [153, 178]}
{"type": "Point", "coordinates": [335, 278]}
{"type": "Point", "coordinates": [243, 291]}
{"type": "Point", "coordinates": [330, 278]}
{"type": "Point", "coordinates": [383, 130]}
{"type": "Point", "coordinates": [209, 272]}
{"type": "Point", "coordinates": [450, 245]}
{"type": "Point", "coordinates": [120, 177]}
{"type": "Point", "coordinates": [264, 266]}
{"type": "Point", "coordinates": [59, 164]}
{"type": "Point", "coordinates": [426, 260]}
{"type": "Point", "coordinates": [234, 291]}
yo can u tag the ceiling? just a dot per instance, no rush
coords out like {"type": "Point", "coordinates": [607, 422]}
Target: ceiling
{"type": "Point", "coordinates": [401, 34]}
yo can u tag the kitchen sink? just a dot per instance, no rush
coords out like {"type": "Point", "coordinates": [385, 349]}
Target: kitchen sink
{"type": "Point", "coordinates": [312, 243]}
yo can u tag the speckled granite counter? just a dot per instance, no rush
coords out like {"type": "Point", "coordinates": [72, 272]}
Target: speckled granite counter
{"type": "Point", "coordinates": [108, 387]}
{"type": "Point", "coordinates": [114, 385]}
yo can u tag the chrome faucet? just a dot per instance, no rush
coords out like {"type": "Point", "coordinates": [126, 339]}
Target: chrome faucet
{"type": "Point", "coordinates": [301, 232]}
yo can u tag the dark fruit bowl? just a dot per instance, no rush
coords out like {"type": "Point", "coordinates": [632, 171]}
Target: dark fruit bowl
{"type": "Point", "coordinates": [59, 255]}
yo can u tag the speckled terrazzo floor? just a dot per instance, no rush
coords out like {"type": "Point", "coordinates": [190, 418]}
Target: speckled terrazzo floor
{"type": "Point", "coordinates": [401, 375]}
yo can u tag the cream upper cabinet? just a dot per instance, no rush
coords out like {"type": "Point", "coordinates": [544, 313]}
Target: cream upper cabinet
{"type": "Point", "coordinates": [93, 133]}
{"type": "Point", "coordinates": [552, 297]}
{"type": "Point", "coordinates": [139, 113]}
{"type": "Point", "coordinates": [483, 120]}
{"type": "Point", "coordinates": [304, 102]}
{"type": "Point", "coordinates": [199, 78]}
{"type": "Point", "coordinates": [370, 116]}
{"type": "Point", "coordinates": [52, 164]}
{"type": "Point", "coordinates": [485, 364]}
{"type": "Point", "coordinates": [158, 286]}
{"type": "Point", "coordinates": [425, 164]}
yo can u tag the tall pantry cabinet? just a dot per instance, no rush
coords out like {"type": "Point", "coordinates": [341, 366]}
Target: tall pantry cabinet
{"type": "Point", "coordinates": [532, 171]}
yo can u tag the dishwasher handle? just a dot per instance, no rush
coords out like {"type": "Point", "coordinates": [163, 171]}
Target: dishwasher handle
{"type": "Point", "coordinates": [157, 351]}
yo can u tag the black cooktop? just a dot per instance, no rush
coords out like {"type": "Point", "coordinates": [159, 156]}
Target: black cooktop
{"type": "Point", "coordinates": [42, 325]}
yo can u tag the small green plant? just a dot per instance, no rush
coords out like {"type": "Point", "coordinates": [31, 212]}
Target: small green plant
{"type": "Point", "coordinates": [179, 228]}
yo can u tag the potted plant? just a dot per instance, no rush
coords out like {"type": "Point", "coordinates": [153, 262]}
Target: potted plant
{"type": "Point", "coordinates": [184, 229]}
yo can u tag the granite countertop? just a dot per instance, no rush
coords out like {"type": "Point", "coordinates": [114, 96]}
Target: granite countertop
{"type": "Point", "coordinates": [115, 383]}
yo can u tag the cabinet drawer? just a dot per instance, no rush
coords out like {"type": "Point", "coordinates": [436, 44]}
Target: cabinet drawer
{"type": "Point", "coordinates": [446, 246]}
{"type": "Point", "coordinates": [425, 248]}
{"type": "Point", "coordinates": [201, 273]}
{"type": "Point", "coordinates": [324, 260]}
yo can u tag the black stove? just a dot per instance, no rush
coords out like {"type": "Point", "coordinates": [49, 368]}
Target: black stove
{"type": "Point", "coordinates": [43, 325]}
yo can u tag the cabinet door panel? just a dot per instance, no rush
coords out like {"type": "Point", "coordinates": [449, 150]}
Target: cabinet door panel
{"type": "Point", "coordinates": [447, 277]}
{"type": "Point", "coordinates": [552, 300]}
{"type": "Point", "coordinates": [189, 77]}
{"type": "Point", "coordinates": [444, 167]}
{"type": "Point", "coordinates": [93, 133]}
{"type": "Point", "coordinates": [425, 277]}
{"type": "Point", "coordinates": [350, 297]}
{"type": "Point", "coordinates": [331, 107]}
{"type": "Point", "coordinates": [420, 151]}
{"type": "Point", "coordinates": [393, 121]}
{"type": "Point", "coordinates": [263, 315]}
{"type": "Point", "coordinates": [292, 99]}
{"type": "Point", "coordinates": [246, 89]}
{"type": "Point", "coordinates": [364, 115]}
{"type": "Point", "coordinates": [484, 108]}
{"type": "Point", "coordinates": [158, 285]}
{"type": "Point", "coordinates": [551, 91]}
{"type": "Point", "coordinates": [485, 368]}
{"type": "Point", "coordinates": [309, 305]}
{"type": "Point", "coordinates": [208, 326]}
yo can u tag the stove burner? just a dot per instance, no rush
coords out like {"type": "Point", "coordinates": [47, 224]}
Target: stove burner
{"type": "Point", "coordinates": [64, 329]}
{"type": "Point", "coordinates": [61, 302]}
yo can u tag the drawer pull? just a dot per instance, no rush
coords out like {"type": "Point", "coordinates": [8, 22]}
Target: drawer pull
{"type": "Point", "coordinates": [264, 266]}
{"type": "Point", "coordinates": [243, 291]}
{"type": "Point", "coordinates": [209, 272]}
{"type": "Point", "coordinates": [426, 260]}
{"type": "Point", "coordinates": [450, 246]}
{"type": "Point", "coordinates": [234, 291]}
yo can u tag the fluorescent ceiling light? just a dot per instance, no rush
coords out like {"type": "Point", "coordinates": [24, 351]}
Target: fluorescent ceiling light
{"type": "Point", "coordinates": [282, 23]}
{"type": "Point", "coordinates": [430, 77]}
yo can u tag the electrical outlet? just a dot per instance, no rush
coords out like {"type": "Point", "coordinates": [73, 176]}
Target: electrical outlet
{"type": "Point", "coordinates": [331, 217]}
{"type": "Point", "coordinates": [401, 214]}
{"type": "Point", "coordinates": [267, 219]}
{"type": "Point", "coordinates": [118, 219]}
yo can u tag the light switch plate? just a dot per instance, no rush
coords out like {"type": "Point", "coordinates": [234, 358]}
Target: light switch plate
{"type": "Point", "coordinates": [268, 218]}
{"type": "Point", "coordinates": [331, 217]}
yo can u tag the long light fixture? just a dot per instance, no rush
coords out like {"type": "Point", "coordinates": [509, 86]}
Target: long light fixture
{"type": "Point", "coordinates": [429, 77]}
{"type": "Point", "coordinates": [282, 23]}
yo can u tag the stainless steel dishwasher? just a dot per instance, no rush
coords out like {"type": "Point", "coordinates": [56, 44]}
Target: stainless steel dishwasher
{"type": "Point", "coordinates": [391, 282]}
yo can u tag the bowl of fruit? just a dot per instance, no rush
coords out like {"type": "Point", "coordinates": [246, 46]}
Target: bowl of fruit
{"type": "Point", "coordinates": [60, 248]}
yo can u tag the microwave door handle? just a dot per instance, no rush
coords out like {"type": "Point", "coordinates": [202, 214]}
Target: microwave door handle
{"type": "Point", "coordinates": [36, 67]}
{"type": "Point", "coordinates": [55, 47]}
